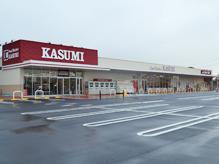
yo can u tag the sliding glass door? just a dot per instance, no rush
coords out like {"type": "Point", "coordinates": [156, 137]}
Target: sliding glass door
{"type": "Point", "coordinates": [66, 86]}
{"type": "Point", "coordinates": [54, 85]}
{"type": "Point", "coordinates": [60, 86]}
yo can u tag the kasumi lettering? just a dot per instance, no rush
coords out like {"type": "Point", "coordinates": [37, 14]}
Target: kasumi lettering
{"type": "Point", "coordinates": [61, 54]}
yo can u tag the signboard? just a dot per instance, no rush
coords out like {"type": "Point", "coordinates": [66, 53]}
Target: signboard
{"type": "Point", "coordinates": [206, 72]}
{"type": "Point", "coordinates": [102, 80]}
{"type": "Point", "coordinates": [63, 73]}
{"type": "Point", "coordinates": [163, 68]}
{"type": "Point", "coordinates": [23, 50]}
{"type": "Point", "coordinates": [10, 54]}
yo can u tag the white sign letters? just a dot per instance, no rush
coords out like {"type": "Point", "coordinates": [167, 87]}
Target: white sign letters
{"type": "Point", "coordinates": [60, 54]}
{"type": "Point", "coordinates": [163, 68]}
{"type": "Point", "coordinates": [11, 54]}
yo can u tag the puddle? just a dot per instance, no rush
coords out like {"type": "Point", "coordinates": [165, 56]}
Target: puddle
{"type": "Point", "coordinates": [34, 129]}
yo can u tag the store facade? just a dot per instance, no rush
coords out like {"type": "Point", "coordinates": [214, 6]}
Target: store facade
{"type": "Point", "coordinates": [29, 66]}
{"type": "Point", "coordinates": [53, 82]}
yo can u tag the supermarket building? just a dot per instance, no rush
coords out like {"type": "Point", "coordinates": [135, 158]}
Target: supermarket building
{"type": "Point", "coordinates": [29, 66]}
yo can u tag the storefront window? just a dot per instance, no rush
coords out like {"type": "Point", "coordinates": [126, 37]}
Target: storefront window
{"type": "Point", "coordinates": [53, 73]}
{"type": "Point", "coordinates": [66, 86]}
{"type": "Point", "coordinates": [53, 82]}
{"type": "Point", "coordinates": [27, 72]}
{"type": "Point", "coordinates": [81, 87]}
{"type": "Point", "coordinates": [45, 85]}
{"type": "Point", "coordinates": [78, 86]}
{"type": "Point", "coordinates": [158, 81]}
{"type": "Point", "coordinates": [60, 86]}
{"type": "Point", "coordinates": [28, 85]}
{"type": "Point", "coordinates": [72, 86]}
{"type": "Point", "coordinates": [45, 73]}
{"type": "Point", "coordinates": [36, 83]}
{"type": "Point", "coordinates": [53, 86]}
{"type": "Point", "coordinates": [36, 72]}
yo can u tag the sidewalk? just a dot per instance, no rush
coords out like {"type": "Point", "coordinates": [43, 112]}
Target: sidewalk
{"type": "Point", "coordinates": [96, 97]}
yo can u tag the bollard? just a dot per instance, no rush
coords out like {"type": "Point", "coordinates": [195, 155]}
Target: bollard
{"type": "Point", "coordinates": [123, 94]}
{"type": "Point", "coordinates": [100, 95]}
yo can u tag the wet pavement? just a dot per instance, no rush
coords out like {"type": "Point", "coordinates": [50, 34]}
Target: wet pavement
{"type": "Point", "coordinates": [168, 129]}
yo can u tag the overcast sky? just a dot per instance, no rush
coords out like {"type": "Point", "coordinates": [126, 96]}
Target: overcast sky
{"type": "Point", "coordinates": [174, 32]}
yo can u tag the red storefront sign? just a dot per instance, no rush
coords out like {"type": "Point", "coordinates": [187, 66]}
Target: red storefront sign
{"type": "Point", "coordinates": [23, 50]}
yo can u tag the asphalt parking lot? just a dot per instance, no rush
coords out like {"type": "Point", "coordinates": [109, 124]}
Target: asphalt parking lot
{"type": "Point", "coordinates": [167, 129]}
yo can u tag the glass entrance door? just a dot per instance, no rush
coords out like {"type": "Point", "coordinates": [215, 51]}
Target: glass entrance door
{"type": "Point", "coordinates": [70, 86]}
{"type": "Point", "coordinates": [66, 86]}
{"type": "Point", "coordinates": [78, 86]}
{"type": "Point", "coordinates": [73, 86]}
{"type": "Point", "coordinates": [60, 86]}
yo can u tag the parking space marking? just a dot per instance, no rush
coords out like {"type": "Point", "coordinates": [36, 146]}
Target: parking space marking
{"type": "Point", "coordinates": [195, 97]}
{"type": "Point", "coordinates": [210, 99]}
{"type": "Point", "coordinates": [7, 103]}
{"type": "Point", "coordinates": [140, 111]}
{"type": "Point", "coordinates": [103, 112]}
{"type": "Point", "coordinates": [51, 103]}
{"type": "Point", "coordinates": [177, 126]}
{"type": "Point", "coordinates": [182, 115]}
{"type": "Point", "coordinates": [36, 101]}
{"type": "Point", "coordinates": [137, 117]}
{"type": "Point", "coordinates": [95, 106]}
{"type": "Point", "coordinates": [67, 105]}
{"type": "Point", "coordinates": [86, 105]}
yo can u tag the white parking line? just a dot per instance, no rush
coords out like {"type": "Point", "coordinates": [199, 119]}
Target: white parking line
{"type": "Point", "coordinates": [183, 115]}
{"type": "Point", "coordinates": [51, 103]}
{"type": "Point", "coordinates": [70, 104]}
{"type": "Point", "coordinates": [103, 112]}
{"type": "Point", "coordinates": [95, 106]}
{"type": "Point", "coordinates": [177, 126]}
{"type": "Point", "coordinates": [7, 103]}
{"type": "Point", "coordinates": [140, 111]}
{"type": "Point", "coordinates": [87, 105]}
{"type": "Point", "coordinates": [195, 97]}
{"type": "Point", "coordinates": [131, 103]}
{"type": "Point", "coordinates": [36, 101]}
{"type": "Point", "coordinates": [137, 117]}
{"type": "Point", "coordinates": [210, 99]}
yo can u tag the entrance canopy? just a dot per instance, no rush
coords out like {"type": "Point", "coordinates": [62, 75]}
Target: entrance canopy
{"type": "Point", "coordinates": [47, 64]}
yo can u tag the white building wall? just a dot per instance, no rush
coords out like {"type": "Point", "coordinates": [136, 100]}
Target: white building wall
{"type": "Point", "coordinates": [10, 77]}
{"type": "Point", "coordinates": [90, 75]}
{"type": "Point", "coordinates": [127, 65]}
{"type": "Point", "coordinates": [10, 80]}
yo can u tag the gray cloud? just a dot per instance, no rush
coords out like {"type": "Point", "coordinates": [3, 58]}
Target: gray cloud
{"type": "Point", "coordinates": [176, 32]}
